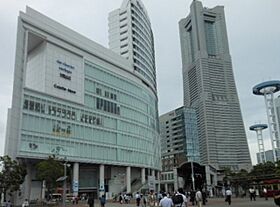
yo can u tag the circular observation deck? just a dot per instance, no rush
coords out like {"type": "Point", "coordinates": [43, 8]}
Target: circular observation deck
{"type": "Point", "coordinates": [258, 127]}
{"type": "Point", "coordinates": [266, 87]}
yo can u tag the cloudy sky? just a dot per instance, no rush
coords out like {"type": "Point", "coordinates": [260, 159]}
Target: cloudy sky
{"type": "Point", "coordinates": [253, 32]}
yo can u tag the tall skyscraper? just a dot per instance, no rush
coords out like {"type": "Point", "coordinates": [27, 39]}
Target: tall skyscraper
{"type": "Point", "coordinates": [209, 87]}
{"type": "Point", "coordinates": [131, 36]}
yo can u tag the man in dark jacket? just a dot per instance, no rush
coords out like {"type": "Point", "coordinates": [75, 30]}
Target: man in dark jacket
{"type": "Point", "coordinates": [90, 201]}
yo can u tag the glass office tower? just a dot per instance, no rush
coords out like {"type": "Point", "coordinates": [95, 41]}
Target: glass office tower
{"type": "Point", "coordinates": [179, 142]}
{"type": "Point", "coordinates": [209, 87]}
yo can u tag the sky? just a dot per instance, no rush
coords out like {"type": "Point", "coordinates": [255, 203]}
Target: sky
{"type": "Point", "coordinates": [253, 33]}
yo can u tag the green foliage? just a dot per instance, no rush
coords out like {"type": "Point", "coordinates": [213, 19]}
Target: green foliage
{"type": "Point", "coordinates": [50, 170]}
{"type": "Point", "coordinates": [12, 175]}
{"type": "Point", "coordinates": [263, 170]}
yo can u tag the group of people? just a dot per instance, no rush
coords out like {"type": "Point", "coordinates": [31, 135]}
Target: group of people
{"type": "Point", "coordinates": [180, 199]}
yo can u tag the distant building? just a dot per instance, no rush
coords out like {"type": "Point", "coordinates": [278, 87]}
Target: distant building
{"type": "Point", "coordinates": [268, 155]}
{"type": "Point", "coordinates": [209, 87]}
{"type": "Point", "coordinates": [83, 103]}
{"type": "Point", "coordinates": [277, 105]}
{"type": "Point", "coordinates": [131, 36]}
{"type": "Point", "coordinates": [179, 142]}
{"type": "Point", "coordinates": [179, 137]}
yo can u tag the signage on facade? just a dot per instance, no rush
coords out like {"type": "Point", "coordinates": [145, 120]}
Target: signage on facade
{"type": "Point", "coordinates": [64, 67]}
{"type": "Point", "coordinates": [75, 186]}
{"type": "Point", "coordinates": [151, 183]}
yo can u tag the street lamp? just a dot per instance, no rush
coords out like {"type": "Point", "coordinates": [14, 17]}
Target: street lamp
{"type": "Point", "coordinates": [193, 183]}
{"type": "Point", "coordinates": [64, 179]}
{"type": "Point", "coordinates": [64, 183]}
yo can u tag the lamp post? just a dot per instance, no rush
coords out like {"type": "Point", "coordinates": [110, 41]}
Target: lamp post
{"type": "Point", "coordinates": [64, 179]}
{"type": "Point", "coordinates": [64, 185]}
{"type": "Point", "coordinates": [193, 183]}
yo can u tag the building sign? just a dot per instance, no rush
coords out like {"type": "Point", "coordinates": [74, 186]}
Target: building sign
{"type": "Point", "coordinates": [151, 183]}
{"type": "Point", "coordinates": [75, 186]}
{"type": "Point", "coordinates": [63, 88]}
{"type": "Point", "coordinates": [67, 68]}
{"type": "Point", "coordinates": [64, 76]}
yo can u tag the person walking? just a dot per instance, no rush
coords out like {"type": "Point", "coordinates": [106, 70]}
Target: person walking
{"type": "Point", "coordinates": [25, 203]}
{"type": "Point", "coordinates": [8, 204]}
{"type": "Point", "coordinates": [198, 198]}
{"type": "Point", "coordinates": [228, 196]}
{"type": "Point", "coordinates": [192, 197]}
{"type": "Point", "coordinates": [152, 199]}
{"type": "Point", "coordinates": [252, 194]}
{"type": "Point", "coordinates": [185, 200]}
{"type": "Point", "coordinates": [138, 199]}
{"type": "Point", "coordinates": [90, 201]}
{"type": "Point", "coordinates": [265, 193]}
{"type": "Point", "coordinates": [165, 201]}
{"type": "Point", "coordinates": [102, 200]}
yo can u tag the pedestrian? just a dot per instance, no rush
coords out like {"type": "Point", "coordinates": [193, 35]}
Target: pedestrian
{"type": "Point", "coordinates": [90, 200]}
{"type": "Point", "coordinates": [265, 193]}
{"type": "Point", "coordinates": [143, 200]}
{"type": "Point", "coordinates": [192, 197]}
{"type": "Point", "coordinates": [121, 198]}
{"type": "Point", "coordinates": [184, 202]}
{"type": "Point", "coordinates": [165, 201]}
{"type": "Point", "coordinates": [228, 196]}
{"type": "Point", "coordinates": [204, 197]}
{"type": "Point", "coordinates": [73, 200]}
{"type": "Point", "coordinates": [138, 199]}
{"type": "Point", "coordinates": [198, 198]}
{"type": "Point", "coordinates": [126, 198]}
{"type": "Point", "coordinates": [25, 203]}
{"type": "Point", "coordinates": [8, 204]}
{"type": "Point", "coordinates": [152, 199]}
{"type": "Point", "coordinates": [252, 194]}
{"type": "Point", "coordinates": [159, 196]}
{"type": "Point", "coordinates": [102, 201]}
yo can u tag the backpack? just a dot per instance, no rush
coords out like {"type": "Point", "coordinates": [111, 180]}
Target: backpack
{"type": "Point", "coordinates": [177, 199]}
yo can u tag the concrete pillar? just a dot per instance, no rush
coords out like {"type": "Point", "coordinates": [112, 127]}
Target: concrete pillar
{"type": "Point", "coordinates": [153, 173]}
{"type": "Point", "coordinates": [175, 179]}
{"type": "Point", "coordinates": [143, 176]}
{"type": "Point", "coordinates": [158, 181]}
{"type": "Point", "coordinates": [128, 179]}
{"type": "Point", "coordinates": [75, 186]}
{"type": "Point", "coordinates": [43, 195]}
{"type": "Point", "coordinates": [26, 191]}
{"type": "Point", "coordinates": [101, 178]}
{"type": "Point", "coordinates": [166, 187]}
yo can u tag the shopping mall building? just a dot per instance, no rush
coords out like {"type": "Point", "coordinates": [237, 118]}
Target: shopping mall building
{"type": "Point", "coordinates": [83, 103]}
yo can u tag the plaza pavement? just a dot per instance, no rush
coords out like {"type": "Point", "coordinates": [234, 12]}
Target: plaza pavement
{"type": "Point", "coordinates": [212, 202]}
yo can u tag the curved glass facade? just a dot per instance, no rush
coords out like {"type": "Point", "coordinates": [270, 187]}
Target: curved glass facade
{"type": "Point", "coordinates": [133, 38]}
{"type": "Point", "coordinates": [118, 123]}
{"type": "Point", "coordinates": [83, 103]}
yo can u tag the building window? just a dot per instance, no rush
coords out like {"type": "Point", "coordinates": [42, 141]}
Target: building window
{"type": "Point", "coordinates": [98, 91]}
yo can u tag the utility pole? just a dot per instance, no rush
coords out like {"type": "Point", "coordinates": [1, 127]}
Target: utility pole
{"type": "Point", "coordinates": [193, 183]}
{"type": "Point", "coordinates": [64, 185]}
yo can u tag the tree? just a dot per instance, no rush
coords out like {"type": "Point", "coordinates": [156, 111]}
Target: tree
{"type": "Point", "coordinates": [50, 170]}
{"type": "Point", "coordinates": [12, 175]}
{"type": "Point", "coordinates": [265, 170]}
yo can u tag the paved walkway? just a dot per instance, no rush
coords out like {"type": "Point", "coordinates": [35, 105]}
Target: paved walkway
{"type": "Point", "coordinates": [212, 202]}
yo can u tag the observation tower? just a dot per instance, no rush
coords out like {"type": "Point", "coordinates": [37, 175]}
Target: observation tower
{"type": "Point", "coordinates": [258, 129]}
{"type": "Point", "coordinates": [267, 89]}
